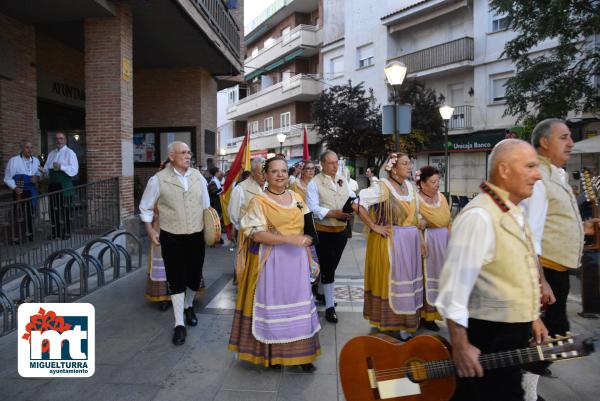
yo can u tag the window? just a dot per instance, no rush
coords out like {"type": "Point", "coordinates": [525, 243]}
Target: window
{"type": "Point", "coordinates": [150, 144]}
{"type": "Point", "coordinates": [285, 33]}
{"type": "Point", "coordinates": [499, 23]}
{"type": "Point", "coordinates": [210, 142]}
{"type": "Point", "coordinates": [253, 127]}
{"type": "Point", "coordinates": [336, 67]}
{"type": "Point", "coordinates": [285, 121]}
{"type": "Point", "coordinates": [287, 74]}
{"type": "Point", "coordinates": [232, 96]}
{"type": "Point", "coordinates": [365, 55]}
{"type": "Point", "coordinates": [499, 89]}
{"type": "Point", "coordinates": [268, 43]}
{"type": "Point", "coordinates": [269, 124]}
{"type": "Point", "coordinates": [254, 52]}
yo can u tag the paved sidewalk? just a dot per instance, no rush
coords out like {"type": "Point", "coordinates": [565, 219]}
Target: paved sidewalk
{"type": "Point", "coordinates": [135, 359]}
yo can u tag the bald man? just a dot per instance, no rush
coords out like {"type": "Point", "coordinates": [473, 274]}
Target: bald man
{"type": "Point", "coordinates": [489, 289]}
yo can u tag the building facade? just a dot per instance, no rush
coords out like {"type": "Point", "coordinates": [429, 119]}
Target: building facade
{"type": "Point", "coordinates": [122, 79]}
{"type": "Point", "coordinates": [282, 73]}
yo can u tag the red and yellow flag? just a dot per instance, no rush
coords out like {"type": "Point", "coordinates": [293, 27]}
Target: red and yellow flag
{"type": "Point", "coordinates": [240, 164]}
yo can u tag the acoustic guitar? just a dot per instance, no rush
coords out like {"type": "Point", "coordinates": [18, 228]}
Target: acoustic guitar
{"type": "Point", "coordinates": [379, 367]}
{"type": "Point", "coordinates": [590, 188]}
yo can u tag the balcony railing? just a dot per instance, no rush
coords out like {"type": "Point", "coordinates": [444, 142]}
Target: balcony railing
{"type": "Point", "coordinates": [31, 229]}
{"type": "Point", "coordinates": [461, 118]}
{"type": "Point", "coordinates": [301, 36]}
{"type": "Point", "coordinates": [437, 56]}
{"type": "Point", "coordinates": [290, 132]}
{"type": "Point", "coordinates": [222, 22]}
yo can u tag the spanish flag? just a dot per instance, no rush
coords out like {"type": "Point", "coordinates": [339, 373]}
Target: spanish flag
{"type": "Point", "coordinates": [240, 164]}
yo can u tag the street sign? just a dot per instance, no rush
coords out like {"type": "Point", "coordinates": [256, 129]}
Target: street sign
{"type": "Point", "coordinates": [403, 119]}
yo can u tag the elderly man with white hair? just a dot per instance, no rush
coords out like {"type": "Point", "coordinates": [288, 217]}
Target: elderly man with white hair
{"type": "Point", "coordinates": [489, 288]}
{"type": "Point", "coordinates": [180, 195]}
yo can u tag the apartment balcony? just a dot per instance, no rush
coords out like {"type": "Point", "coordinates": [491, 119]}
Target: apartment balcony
{"type": "Point", "coordinates": [461, 118]}
{"type": "Point", "coordinates": [454, 55]}
{"type": "Point", "coordinates": [268, 139]}
{"type": "Point", "coordinates": [299, 88]}
{"type": "Point", "coordinates": [306, 38]}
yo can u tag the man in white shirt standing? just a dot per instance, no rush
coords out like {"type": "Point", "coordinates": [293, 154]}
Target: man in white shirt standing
{"type": "Point", "coordinates": [180, 194]}
{"type": "Point", "coordinates": [489, 288]}
{"type": "Point", "coordinates": [21, 175]}
{"type": "Point", "coordinates": [326, 195]}
{"type": "Point", "coordinates": [61, 166]}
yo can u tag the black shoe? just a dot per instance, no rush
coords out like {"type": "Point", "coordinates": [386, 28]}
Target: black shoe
{"type": "Point", "coordinates": [431, 325]}
{"type": "Point", "coordinates": [330, 315]}
{"type": "Point", "coordinates": [540, 398]}
{"type": "Point", "coordinates": [546, 373]}
{"type": "Point", "coordinates": [179, 335]}
{"type": "Point", "coordinates": [308, 367]}
{"type": "Point", "coordinates": [164, 305]}
{"type": "Point", "coordinates": [190, 317]}
{"type": "Point", "coordinates": [275, 367]}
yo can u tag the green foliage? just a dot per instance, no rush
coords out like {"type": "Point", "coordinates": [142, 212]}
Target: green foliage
{"type": "Point", "coordinates": [349, 121]}
{"type": "Point", "coordinates": [561, 80]}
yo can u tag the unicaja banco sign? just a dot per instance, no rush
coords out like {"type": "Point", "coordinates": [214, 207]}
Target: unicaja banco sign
{"type": "Point", "coordinates": [56, 340]}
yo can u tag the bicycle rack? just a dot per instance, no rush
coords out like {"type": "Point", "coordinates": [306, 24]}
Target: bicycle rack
{"type": "Point", "coordinates": [120, 249]}
{"type": "Point", "coordinates": [31, 276]}
{"type": "Point", "coordinates": [92, 261]}
{"type": "Point", "coordinates": [9, 321]}
{"type": "Point", "coordinates": [61, 286]}
{"type": "Point", "coordinates": [137, 241]}
{"type": "Point", "coordinates": [113, 251]}
{"type": "Point", "coordinates": [83, 270]}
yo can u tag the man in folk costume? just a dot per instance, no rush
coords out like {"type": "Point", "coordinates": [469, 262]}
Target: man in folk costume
{"type": "Point", "coordinates": [61, 166]}
{"type": "Point", "coordinates": [556, 225]}
{"type": "Point", "coordinates": [238, 204]}
{"type": "Point", "coordinates": [180, 194]}
{"type": "Point", "coordinates": [326, 195]}
{"type": "Point", "coordinates": [490, 289]}
{"type": "Point", "coordinates": [21, 175]}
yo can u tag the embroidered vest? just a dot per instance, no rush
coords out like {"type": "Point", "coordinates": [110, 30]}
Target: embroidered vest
{"type": "Point", "coordinates": [330, 198]}
{"type": "Point", "coordinates": [180, 211]}
{"type": "Point", "coordinates": [507, 288]}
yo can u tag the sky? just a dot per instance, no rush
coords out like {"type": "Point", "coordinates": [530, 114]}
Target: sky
{"type": "Point", "coordinates": [253, 7]}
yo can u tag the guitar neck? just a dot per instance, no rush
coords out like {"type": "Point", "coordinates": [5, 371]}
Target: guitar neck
{"type": "Point", "coordinates": [444, 368]}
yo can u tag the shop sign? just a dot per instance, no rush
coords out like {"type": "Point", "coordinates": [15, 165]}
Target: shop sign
{"type": "Point", "coordinates": [475, 142]}
{"type": "Point", "coordinates": [60, 90]}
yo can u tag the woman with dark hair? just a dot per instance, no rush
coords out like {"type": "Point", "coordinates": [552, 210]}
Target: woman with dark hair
{"type": "Point", "coordinates": [393, 263]}
{"type": "Point", "coordinates": [436, 213]}
{"type": "Point", "coordinates": [372, 176]}
{"type": "Point", "coordinates": [275, 321]}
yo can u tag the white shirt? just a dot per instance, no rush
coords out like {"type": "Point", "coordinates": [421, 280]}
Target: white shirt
{"type": "Point", "coordinates": [536, 207]}
{"type": "Point", "coordinates": [152, 193]}
{"type": "Point", "coordinates": [216, 181]}
{"type": "Point", "coordinates": [20, 165]}
{"type": "Point", "coordinates": [312, 196]}
{"type": "Point", "coordinates": [472, 244]}
{"type": "Point", "coordinates": [66, 158]}
{"type": "Point", "coordinates": [236, 201]}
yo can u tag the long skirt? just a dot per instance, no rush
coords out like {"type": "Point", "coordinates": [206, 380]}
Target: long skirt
{"type": "Point", "coordinates": [157, 288]}
{"type": "Point", "coordinates": [394, 291]}
{"type": "Point", "coordinates": [437, 243]}
{"type": "Point", "coordinates": [275, 321]}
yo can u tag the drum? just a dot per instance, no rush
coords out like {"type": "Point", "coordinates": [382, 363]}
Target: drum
{"type": "Point", "coordinates": [212, 226]}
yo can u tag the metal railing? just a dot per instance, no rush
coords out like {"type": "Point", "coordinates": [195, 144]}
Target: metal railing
{"type": "Point", "coordinates": [291, 131]}
{"type": "Point", "coordinates": [461, 118]}
{"type": "Point", "coordinates": [285, 84]}
{"type": "Point", "coordinates": [438, 56]}
{"type": "Point", "coordinates": [31, 229]}
{"type": "Point", "coordinates": [284, 40]}
{"type": "Point", "coordinates": [222, 22]}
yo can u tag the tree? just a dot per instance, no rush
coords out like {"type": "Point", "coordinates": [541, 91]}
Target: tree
{"type": "Point", "coordinates": [349, 121]}
{"type": "Point", "coordinates": [562, 79]}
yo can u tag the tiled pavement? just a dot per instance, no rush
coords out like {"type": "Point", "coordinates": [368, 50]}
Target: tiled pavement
{"type": "Point", "coordinates": [136, 361]}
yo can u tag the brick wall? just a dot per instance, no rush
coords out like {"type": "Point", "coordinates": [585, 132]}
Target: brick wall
{"type": "Point", "coordinates": [58, 59]}
{"type": "Point", "coordinates": [18, 92]}
{"type": "Point", "coordinates": [109, 108]}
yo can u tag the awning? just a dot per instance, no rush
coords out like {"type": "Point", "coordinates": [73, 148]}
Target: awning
{"type": "Point", "coordinates": [281, 61]}
{"type": "Point", "coordinates": [590, 145]}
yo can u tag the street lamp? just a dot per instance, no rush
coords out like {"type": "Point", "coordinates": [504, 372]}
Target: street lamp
{"type": "Point", "coordinates": [395, 72]}
{"type": "Point", "coordinates": [446, 113]}
{"type": "Point", "coordinates": [281, 139]}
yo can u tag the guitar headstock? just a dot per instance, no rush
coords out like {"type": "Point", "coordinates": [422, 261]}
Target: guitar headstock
{"type": "Point", "coordinates": [567, 347]}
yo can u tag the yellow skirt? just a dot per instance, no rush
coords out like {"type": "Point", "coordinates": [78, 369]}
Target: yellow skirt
{"type": "Point", "coordinates": [377, 280]}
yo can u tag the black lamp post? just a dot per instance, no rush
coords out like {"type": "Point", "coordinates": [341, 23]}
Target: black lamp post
{"type": "Point", "coordinates": [446, 113]}
{"type": "Point", "coordinates": [395, 72]}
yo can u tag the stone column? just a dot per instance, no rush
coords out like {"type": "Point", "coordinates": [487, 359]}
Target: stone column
{"type": "Point", "coordinates": [109, 102]}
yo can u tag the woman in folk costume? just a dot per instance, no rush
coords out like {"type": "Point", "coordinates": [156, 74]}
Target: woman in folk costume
{"type": "Point", "coordinates": [434, 209]}
{"type": "Point", "coordinates": [395, 245]}
{"type": "Point", "coordinates": [275, 321]}
{"type": "Point", "coordinates": [308, 173]}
